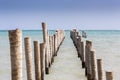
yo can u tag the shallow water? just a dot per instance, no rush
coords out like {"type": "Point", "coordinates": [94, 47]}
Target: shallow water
{"type": "Point", "coordinates": [105, 42]}
{"type": "Point", "coordinates": [67, 65]}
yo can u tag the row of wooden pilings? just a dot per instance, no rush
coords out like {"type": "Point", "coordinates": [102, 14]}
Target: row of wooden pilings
{"type": "Point", "coordinates": [93, 67]}
{"type": "Point", "coordinates": [44, 53]}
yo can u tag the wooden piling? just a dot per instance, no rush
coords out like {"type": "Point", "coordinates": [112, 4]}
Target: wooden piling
{"type": "Point", "coordinates": [42, 57]}
{"type": "Point", "coordinates": [37, 60]}
{"type": "Point", "coordinates": [45, 38]}
{"type": "Point", "coordinates": [93, 65]}
{"type": "Point", "coordinates": [88, 48]}
{"type": "Point", "coordinates": [78, 46]}
{"type": "Point", "coordinates": [50, 51]}
{"type": "Point", "coordinates": [28, 55]}
{"type": "Point", "coordinates": [109, 75]}
{"type": "Point", "coordinates": [57, 41]}
{"type": "Point", "coordinates": [53, 49]}
{"type": "Point", "coordinates": [100, 69]}
{"type": "Point", "coordinates": [82, 54]}
{"type": "Point", "coordinates": [55, 45]}
{"type": "Point", "coordinates": [15, 39]}
{"type": "Point", "coordinates": [44, 32]}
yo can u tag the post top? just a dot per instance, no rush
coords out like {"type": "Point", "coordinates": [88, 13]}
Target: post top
{"type": "Point", "coordinates": [88, 42]}
{"type": "Point", "coordinates": [13, 31]}
{"type": "Point", "coordinates": [43, 24]}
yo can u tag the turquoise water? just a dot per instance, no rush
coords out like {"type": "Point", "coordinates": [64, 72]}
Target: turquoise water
{"type": "Point", "coordinates": [105, 42]}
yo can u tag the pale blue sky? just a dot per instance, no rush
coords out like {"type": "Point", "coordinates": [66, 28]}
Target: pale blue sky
{"type": "Point", "coordinates": [60, 14]}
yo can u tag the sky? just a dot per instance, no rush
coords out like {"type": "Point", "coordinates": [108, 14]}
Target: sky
{"type": "Point", "coordinates": [60, 14]}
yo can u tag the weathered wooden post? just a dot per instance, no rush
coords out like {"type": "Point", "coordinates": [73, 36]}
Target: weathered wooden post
{"type": "Point", "coordinates": [15, 39]}
{"type": "Point", "coordinates": [28, 55]}
{"type": "Point", "coordinates": [50, 51]}
{"type": "Point", "coordinates": [88, 59]}
{"type": "Point", "coordinates": [109, 76]}
{"type": "Point", "coordinates": [78, 46]}
{"type": "Point", "coordinates": [53, 49]}
{"type": "Point", "coordinates": [93, 65]}
{"type": "Point", "coordinates": [83, 54]}
{"type": "Point", "coordinates": [37, 60]}
{"type": "Point", "coordinates": [42, 57]}
{"type": "Point", "coordinates": [100, 69]}
{"type": "Point", "coordinates": [74, 35]}
{"type": "Point", "coordinates": [45, 38]}
{"type": "Point", "coordinates": [55, 44]}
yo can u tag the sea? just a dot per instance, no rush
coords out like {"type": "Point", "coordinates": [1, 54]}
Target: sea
{"type": "Point", "coordinates": [106, 44]}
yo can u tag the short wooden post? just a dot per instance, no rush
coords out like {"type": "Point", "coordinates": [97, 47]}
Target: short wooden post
{"type": "Point", "coordinates": [37, 60]}
{"type": "Point", "coordinates": [76, 38]}
{"type": "Point", "coordinates": [88, 59]}
{"type": "Point", "coordinates": [83, 54]}
{"type": "Point", "coordinates": [109, 76]}
{"type": "Point", "coordinates": [100, 69]}
{"type": "Point", "coordinates": [42, 57]}
{"type": "Point", "coordinates": [78, 46]}
{"type": "Point", "coordinates": [28, 55]}
{"type": "Point", "coordinates": [93, 65]}
{"type": "Point", "coordinates": [57, 42]}
{"type": "Point", "coordinates": [15, 39]}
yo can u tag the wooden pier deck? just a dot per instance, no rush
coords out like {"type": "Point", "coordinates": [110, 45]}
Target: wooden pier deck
{"type": "Point", "coordinates": [67, 65]}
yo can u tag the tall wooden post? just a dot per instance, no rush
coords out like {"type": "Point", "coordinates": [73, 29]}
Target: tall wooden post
{"type": "Point", "coordinates": [45, 38]}
{"type": "Point", "coordinates": [52, 48]}
{"type": "Point", "coordinates": [109, 76]}
{"type": "Point", "coordinates": [55, 44]}
{"type": "Point", "coordinates": [28, 55]}
{"type": "Point", "coordinates": [15, 38]}
{"type": "Point", "coordinates": [37, 60]}
{"type": "Point", "coordinates": [42, 57]}
{"type": "Point", "coordinates": [100, 69]}
{"type": "Point", "coordinates": [44, 32]}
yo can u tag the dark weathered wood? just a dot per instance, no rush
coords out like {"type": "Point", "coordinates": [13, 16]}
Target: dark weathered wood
{"type": "Point", "coordinates": [28, 55]}
{"type": "Point", "coordinates": [100, 69]}
{"type": "Point", "coordinates": [15, 39]}
{"type": "Point", "coordinates": [109, 76]}
{"type": "Point", "coordinates": [37, 60]}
